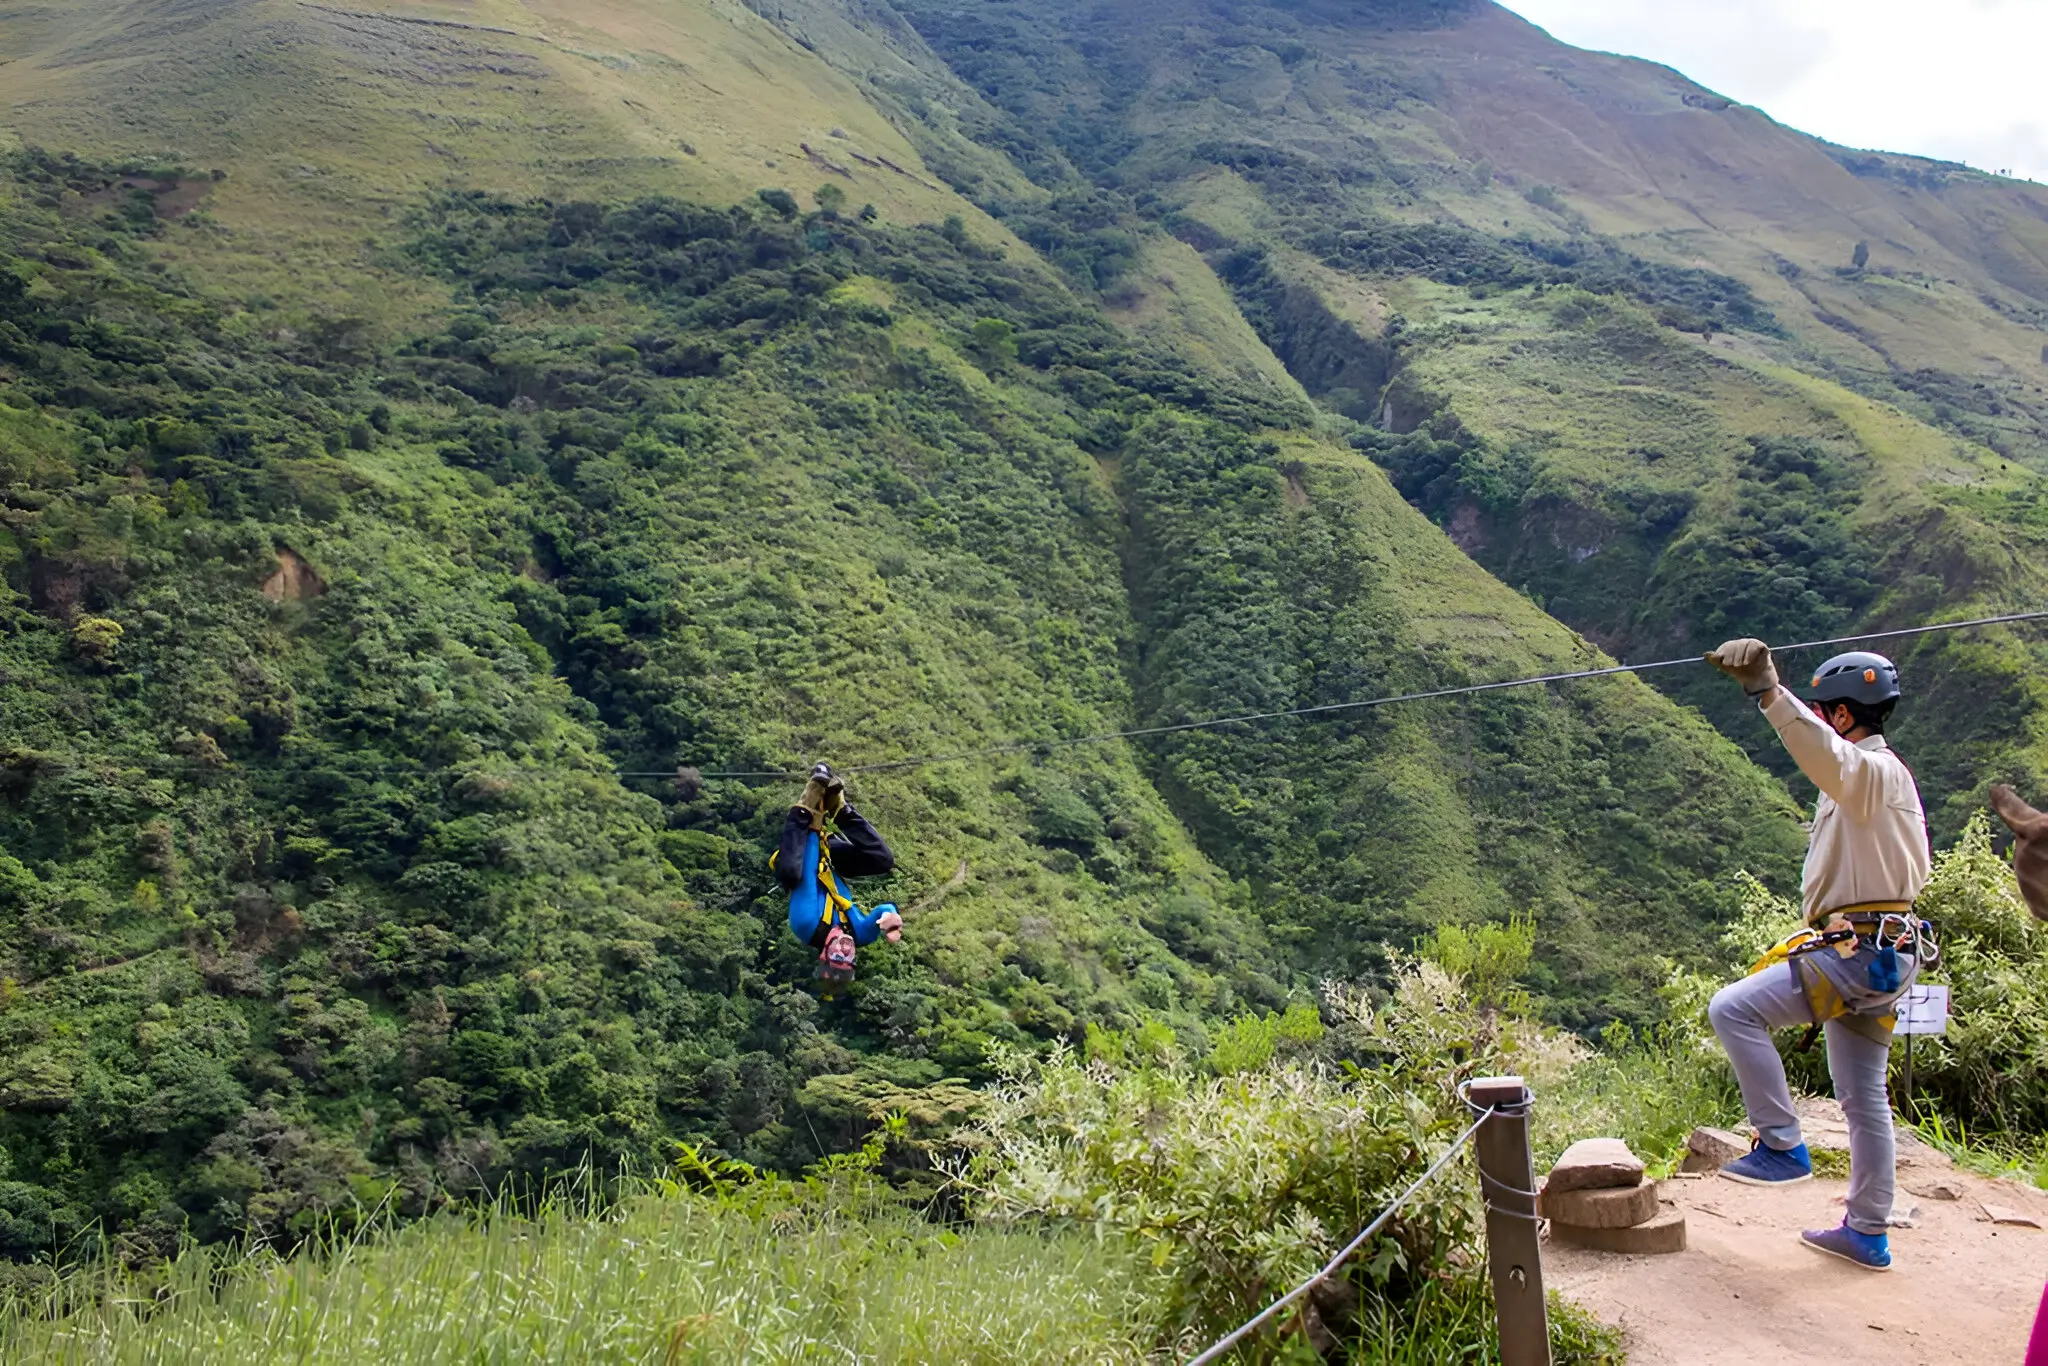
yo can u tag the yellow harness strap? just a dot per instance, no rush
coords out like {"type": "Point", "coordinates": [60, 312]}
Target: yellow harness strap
{"type": "Point", "coordinates": [1863, 909]}
{"type": "Point", "coordinates": [1822, 997]}
{"type": "Point", "coordinates": [837, 902]}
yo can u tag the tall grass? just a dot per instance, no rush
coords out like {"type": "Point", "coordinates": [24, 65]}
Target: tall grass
{"type": "Point", "coordinates": [666, 1275]}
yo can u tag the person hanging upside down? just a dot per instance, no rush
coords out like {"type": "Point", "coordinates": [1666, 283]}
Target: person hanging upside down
{"type": "Point", "coordinates": [1867, 861]}
{"type": "Point", "coordinates": [810, 863]}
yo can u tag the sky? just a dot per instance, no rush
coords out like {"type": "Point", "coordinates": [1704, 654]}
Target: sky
{"type": "Point", "coordinates": [1961, 80]}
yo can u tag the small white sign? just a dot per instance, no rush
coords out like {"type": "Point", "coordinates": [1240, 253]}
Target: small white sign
{"type": "Point", "coordinates": [1923, 1010]}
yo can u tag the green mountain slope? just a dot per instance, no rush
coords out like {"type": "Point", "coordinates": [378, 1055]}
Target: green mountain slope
{"type": "Point", "coordinates": [420, 439]}
{"type": "Point", "coordinates": [1606, 324]}
{"type": "Point", "coordinates": [324, 654]}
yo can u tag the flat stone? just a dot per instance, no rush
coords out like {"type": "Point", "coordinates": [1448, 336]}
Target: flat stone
{"type": "Point", "coordinates": [1720, 1144]}
{"type": "Point", "coordinates": [1710, 1149]}
{"type": "Point", "coordinates": [1611, 1207]}
{"type": "Point", "coordinates": [1937, 1190]}
{"type": "Point", "coordinates": [2006, 1214]}
{"type": "Point", "coordinates": [1663, 1233]}
{"type": "Point", "coordinates": [1595, 1164]}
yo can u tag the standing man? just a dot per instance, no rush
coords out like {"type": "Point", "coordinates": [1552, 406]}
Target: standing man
{"type": "Point", "coordinates": [1867, 861]}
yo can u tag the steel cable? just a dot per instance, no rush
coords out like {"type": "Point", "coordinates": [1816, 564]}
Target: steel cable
{"type": "Point", "coordinates": [1249, 718]}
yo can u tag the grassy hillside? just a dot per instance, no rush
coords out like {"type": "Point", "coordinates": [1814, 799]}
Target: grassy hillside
{"type": "Point", "coordinates": [1611, 330]}
{"type": "Point", "coordinates": [328, 120]}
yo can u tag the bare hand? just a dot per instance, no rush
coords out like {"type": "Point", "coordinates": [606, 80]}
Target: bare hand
{"type": "Point", "coordinates": [2030, 851]}
{"type": "Point", "coordinates": [1747, 661]}
{"type": "Point", "coordinates": [891, 925]}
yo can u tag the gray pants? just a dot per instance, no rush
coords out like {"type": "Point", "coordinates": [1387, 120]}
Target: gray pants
{"type": "Point", "coordinates": [1744, 1013]}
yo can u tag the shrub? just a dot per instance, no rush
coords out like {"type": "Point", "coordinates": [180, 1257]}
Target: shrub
{"type": "Point", "coordinates": [96, 640]}
{"type": "Point", "coordinates": [1990, 1070]}
{"type": "Point", "coordinates": [1240, 1181]}
{"type": "Point", "coordinates": [781, 202]}
{"type": "Point", "coordinates": [1237, 1186]}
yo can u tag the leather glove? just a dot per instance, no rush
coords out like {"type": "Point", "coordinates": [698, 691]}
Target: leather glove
{"type": "Point", "coordinates": [835, 795]}
{"type": "Point", "coordinates": [1747, 661]}
{"type": "Point", "coordinates": [814, 798]}
{"type": "Point", "coordinates": [2030, 852]}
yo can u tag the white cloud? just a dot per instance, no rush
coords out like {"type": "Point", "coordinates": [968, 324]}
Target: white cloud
{"type": "Point", "coordinates": [1962, 81]}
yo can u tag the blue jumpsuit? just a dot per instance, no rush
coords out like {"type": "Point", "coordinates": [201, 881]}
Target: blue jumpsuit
{"type": "Point", "coordinates": [809, 868]}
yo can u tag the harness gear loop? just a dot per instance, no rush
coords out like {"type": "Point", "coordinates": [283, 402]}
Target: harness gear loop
{"type": "Point", "coordinates": [1903, 945]}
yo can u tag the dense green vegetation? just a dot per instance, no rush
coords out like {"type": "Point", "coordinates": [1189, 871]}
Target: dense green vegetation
{"type": "Point", "coordinates": [366, 677]}
{"type": "Point", "coordinates": [404, 543]}
{"type": "Point", "coordinates": [1078, 1243]}
{"type": "Point", "coordinates": [1125, 1201]}
{"type": "Point", "coordinates": [325, 649]}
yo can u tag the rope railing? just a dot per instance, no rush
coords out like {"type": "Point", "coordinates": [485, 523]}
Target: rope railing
{"type": "Point", "coordinates": [1230, 1340]}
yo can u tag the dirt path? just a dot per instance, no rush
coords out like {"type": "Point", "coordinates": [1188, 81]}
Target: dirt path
{"type": "Point", "coordinates": [1961, 1289]}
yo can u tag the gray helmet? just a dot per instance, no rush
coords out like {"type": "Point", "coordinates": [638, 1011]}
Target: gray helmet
{"type": "Point", "coordinates": [1858, 676]}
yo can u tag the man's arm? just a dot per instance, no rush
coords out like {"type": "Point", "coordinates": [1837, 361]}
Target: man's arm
{"type": "Point", "coordinates": [1835, 766]}
{"type": "Point", "coordinates": [788, 862]}
{"type": "Point", "coordinates": [858, 850]}
{"type": "Point", "coordinates": [883, 922]}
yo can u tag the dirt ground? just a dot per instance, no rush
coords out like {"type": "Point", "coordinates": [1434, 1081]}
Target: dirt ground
{"type": "Point", "coordinates": [1961, 1289]}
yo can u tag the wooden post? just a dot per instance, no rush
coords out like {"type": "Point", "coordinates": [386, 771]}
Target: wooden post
{"type": "Point", "coordinates": [1514, 1256]}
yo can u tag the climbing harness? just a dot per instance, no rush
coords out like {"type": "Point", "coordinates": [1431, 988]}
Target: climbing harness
{"type": "Point", "coordinates": [1903, 944]}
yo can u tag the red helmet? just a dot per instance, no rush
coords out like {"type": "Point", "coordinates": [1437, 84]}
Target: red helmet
{"type": "Point", "coordinates": [835, 964]}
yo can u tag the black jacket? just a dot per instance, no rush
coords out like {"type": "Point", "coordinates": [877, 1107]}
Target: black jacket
{"type": "Point", "coordinates": [855, 848]}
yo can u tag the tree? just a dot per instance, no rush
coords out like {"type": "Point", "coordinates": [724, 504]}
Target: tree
{"type": "Point", "coordinates": [96, 640]}
{"type": "Point", "coordinates": [954, 230]}
{"type": "Point", "coordinates": [831, 199]}
{"type": "Point", "coordinates": [781, 201]}
{"type": "Point", "coordinates": [1861, 257]}
{"type": "Point", "coordinates": [995, 341]}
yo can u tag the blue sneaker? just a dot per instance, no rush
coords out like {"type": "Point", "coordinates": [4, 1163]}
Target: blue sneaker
{"type": "Point", "coordinates": [1871, 1251]}
{"type": "Point", "coordinates": [1767, 1166]}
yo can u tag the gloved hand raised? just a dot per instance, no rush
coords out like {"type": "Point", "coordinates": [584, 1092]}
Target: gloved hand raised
{"type": "Point", "coordinates": [2030, 851]}
{"type": "Point", "coordinates": [817, 794]}
{"type": "Point", "coordinates": [1747, 661]}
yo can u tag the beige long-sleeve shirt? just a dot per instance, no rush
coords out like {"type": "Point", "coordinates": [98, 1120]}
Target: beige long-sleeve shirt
{"type": "Point", "coordinates": [1869, 831]}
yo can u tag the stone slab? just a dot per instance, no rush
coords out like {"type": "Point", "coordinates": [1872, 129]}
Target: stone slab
{"type": "Point", "coordinates": [1710, 1149]}
{"type": "Point", "coordinates": [2005, 1214]}
{"type": "Point", "coordinates": [1937, 1190]}
{"type": "Point", "coordinates": [1609, 1207]}
{"type": "Point", "coordinates": [1595, 1164]}
{"type": "Point", "coordinates": [1663, 1233]}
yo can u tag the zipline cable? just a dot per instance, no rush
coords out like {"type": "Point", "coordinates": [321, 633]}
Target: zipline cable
{"type": "Point", "coordinates": [1248, 718]}
{"type": "Point", "coordinates": [1224, 1344]}
{"type": "Point", "coordinates": [342, 761]}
